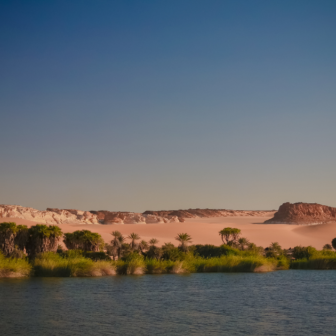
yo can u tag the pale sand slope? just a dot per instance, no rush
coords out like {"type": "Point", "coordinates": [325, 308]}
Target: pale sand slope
{"type": "Point", "coordinates": [205, 231]}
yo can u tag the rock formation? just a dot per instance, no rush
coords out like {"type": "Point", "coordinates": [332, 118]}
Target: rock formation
{"type": "Point", "coordinates": [303, 213]}
{"type": "Point", "coordinates": [206, 213]}
{"type": "Point", "coordinates": [110, 217]}
{"type": "Point", "coordinates": [170, 216]}
{"type": "Point", "coordinates": [50, 216]}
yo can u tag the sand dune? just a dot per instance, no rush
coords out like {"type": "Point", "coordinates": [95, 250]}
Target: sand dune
{"type": "Point", "coordinates": [205, 231]}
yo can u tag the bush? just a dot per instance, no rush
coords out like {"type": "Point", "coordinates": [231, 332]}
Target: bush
{"type": "Point", "coordinates": [133, 263]}
{"type": "Point", "coordinates": [210, 251]}
{"type": "Point", "coordinates": [50, 264]}
{"type": "Point", "coordinates": [170, 252]}
{"type": "Point", "coordinates": [302, 252]}
{"type": "Point", "coordinates": [14, 267]}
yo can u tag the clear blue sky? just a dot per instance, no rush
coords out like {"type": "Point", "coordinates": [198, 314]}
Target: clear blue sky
{"type": "Point", "coordinates": [137, 105]}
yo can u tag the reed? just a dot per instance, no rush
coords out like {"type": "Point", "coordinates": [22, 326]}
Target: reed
{"type": "Point", "coordinates": [49, 264]}
{"type": "Point", "coordinates": [154, 266]}
{"type": "Point", "coordinates": [14, 267]}
{"type": "Point", "coordinates": [230, 263]}
{"type": "Point", "coordinates": [315, 263]}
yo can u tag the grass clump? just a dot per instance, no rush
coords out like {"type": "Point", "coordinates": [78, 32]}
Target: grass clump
{"type": "Point", "coordinates": [50, 264]}
{"type": "Point", "coordinates": [154, 266]}
{"type": "Point", "coordinates": [132, 264]}
{"type": "Point", "coordinates": [14, 267]}
{"type": "Point", "coordinates": [319, 260]}
{"type": "Point", "coordinates": [231, 263]}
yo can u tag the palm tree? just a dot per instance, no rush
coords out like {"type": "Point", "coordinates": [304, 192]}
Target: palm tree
{"type": "Point", "coordinates": [153, 241]}
{"type": "Point", "coordinates": [230, 235]}
{"type": "Point", "coordinates": [184, 239]}
{"type": "Point", "coordinates": [274, 250]}
{"type": "Point", "coordinates": [84, 240]}
{"type": "Point", "coordinates": [12, 235]}
{"type": "Point", "coordinates": [134, 237]}
{"type": "Point", "coordinates": [243, 242]}
{"type": "Point", "coordinates": [43, 238]}
{"type": "Point", "coordinates": [111, 250]}
{"type": "Point", "coordinates": [143, 245]}
{"type": "Point", "coordinates": [116, 234]}
{"type": "Point", "coordinates": [333, 243]}
{"type": "Point", "coordinates": [327, 247]}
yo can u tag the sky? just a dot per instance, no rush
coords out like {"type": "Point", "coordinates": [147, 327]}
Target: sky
{"type": "Point", "coordinates": [157, 105]}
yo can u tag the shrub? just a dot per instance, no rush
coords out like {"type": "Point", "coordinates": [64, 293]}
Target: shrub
{"type": "Point", "coordinates": [170, 252]}
{"type": "Point", "coordinates": [133, 263]}
{"type": "Point", "coordinates": [154, 252]}
{"type": "Point", "coordinates": [302, 252]}
{"type": "Point", "coordinates": [14, 267]}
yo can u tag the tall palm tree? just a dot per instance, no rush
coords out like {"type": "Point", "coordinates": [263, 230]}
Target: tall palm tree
{"type": "Point", "coordinates": [134, 237]}
{"type": "Point", "coordinates": [12, 235]}
{"type": "Point", "coordinates": [117, 242]}
{"type": "Point", "coordinates": [242, 243]}
{"type": "Point", "coordinates": [43, 238]}
{"type": "Point", "coordinates": [153, 241]}
{"type": "Point", "coordinates": [143, 245]}
{"type": "Point", "coordinates": [115, 235]}
{"type": "Point", "coordinates": [184, 239]}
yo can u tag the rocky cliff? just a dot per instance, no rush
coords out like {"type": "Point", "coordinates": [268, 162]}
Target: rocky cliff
{"type": "Point", "coordinates": [170, 216]}
{"type": "Point", "coordinates": [303, 213]}
{"type": "Point", "coordinates": [110, 217]}
{"type": "Point", "coordinates": [50, 216]}
{"type": "Point", "coordinates": [206, 213]}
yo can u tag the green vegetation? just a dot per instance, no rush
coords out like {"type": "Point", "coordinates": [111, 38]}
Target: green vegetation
{"type": "Point", "coordinates": [43, 238]}
{"type": "Point", "coordinates": [12, 235]}
{"type": "Point", "coordinates": [84, 240]}
{"type": "Point", "coordinates": [74, 264]}
{"type": "Point", "coordinates": [14, 267]}
{"type": "Point", "coordinates": [229, 235]}
{"type": "Point", "coordinates": [184, 239]}
{"type": "Point", "coordinates": [87, 255]}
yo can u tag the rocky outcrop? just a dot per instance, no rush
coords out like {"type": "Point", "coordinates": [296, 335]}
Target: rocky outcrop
{"type": "Point", "coordinates": [206, 213]}
{"type": "Point", "coordinates": [50, 216]}
{"type": "Point", "coordinates": [110, 217]}
{"type": "Point", "coordinates": [170, 216]}
{"type": "Point", "coordinates": [303, 213]}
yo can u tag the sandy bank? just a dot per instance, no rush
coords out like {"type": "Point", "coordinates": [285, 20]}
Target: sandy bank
{"type": "Point", "coordinates": [205, 231]}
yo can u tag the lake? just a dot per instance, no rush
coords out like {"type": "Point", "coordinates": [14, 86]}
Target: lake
{"type": "Point", "coordinates": [278, 303]}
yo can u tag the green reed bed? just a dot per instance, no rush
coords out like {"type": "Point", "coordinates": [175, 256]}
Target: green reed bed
{"type": "Point", "coordinates": [315, 263]}
{"type": "Point", "coordinates": [14, 267]}
{"type": "Point", "coordinates": [230, 264]}
{"type": "Point", "coordinates": [54, 265]}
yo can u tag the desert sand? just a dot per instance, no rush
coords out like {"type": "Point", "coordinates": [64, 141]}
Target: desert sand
{"type": "Point", "coordinates": [205, 231]}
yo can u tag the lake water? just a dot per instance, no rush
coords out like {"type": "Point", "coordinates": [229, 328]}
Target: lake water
{"type": "Point", "coordinates": [278, 303]}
